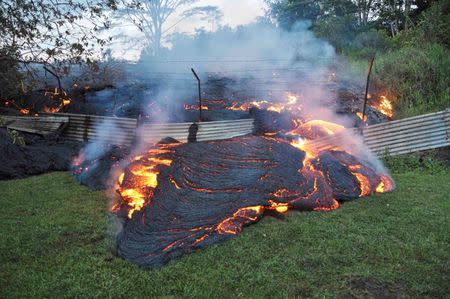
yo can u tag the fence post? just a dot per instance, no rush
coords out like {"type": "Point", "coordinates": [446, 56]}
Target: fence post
{"type": "Point", "coordinates": [199, 94]}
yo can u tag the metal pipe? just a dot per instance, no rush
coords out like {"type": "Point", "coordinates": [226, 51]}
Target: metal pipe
{"type": "Point", "coordinates": [367, 88]}
{"type": "Point", "coordinates": [199, 94]}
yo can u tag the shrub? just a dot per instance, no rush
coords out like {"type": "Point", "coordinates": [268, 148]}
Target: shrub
{"type": "Point", "coordinates": [11, 78]}
{"type": "Point", "coordinates": [367, 43]}
{"type": "Point", "coordinates": [417, 77]}
{"type": "Point", "coordinates": [426, 162]}
{"type": "Point", "coordinates": [16, 138]}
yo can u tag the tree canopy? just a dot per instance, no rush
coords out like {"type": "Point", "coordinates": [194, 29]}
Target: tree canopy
{"type": "Point", "coordinates": [52, 30]}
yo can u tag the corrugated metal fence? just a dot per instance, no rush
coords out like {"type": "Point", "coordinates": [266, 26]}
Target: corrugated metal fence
{"type": "Point", "coordinates": [123, 130]}
{"type": "Point", "coordinates": [397, 137]}
{"type": "Point", "coordinates": [402, 136]}
{"type": "Point", "coordinates": [409, 135]}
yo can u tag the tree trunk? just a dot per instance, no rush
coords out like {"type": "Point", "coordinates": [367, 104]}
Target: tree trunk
{"type": "Point", "coordinates": [407, 12]}
{"type": "Point", "coordinates": [157, 41]}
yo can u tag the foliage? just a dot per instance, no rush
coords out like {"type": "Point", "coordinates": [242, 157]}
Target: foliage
{"type": "Point", "coordinates": [16, 138]}
{"type": "Point", "coordinates": [417, 77]}
{"type": "Point", "coordinates": [287, 13]}
{"type": "Point", "coordinates": [152, 17]}
{"type": "Point", "coordinates": [415, 71]}
{"type": "Point", "coordinates": [338, 30]}
{"type": "Point", "coordinates": [411, 39]}
{"type": "Point", "coordinates": [10, 74]}
{"type": "Point", "coordinates": [53, 244]}
{"type": "Point", "coordinates": [56, 32]}
{"type": "Point", "coordinates": [341, 21]}
{"type": "Point", "coordinates": [433, 27]}
{"type": "Point", "coordinates": [418, 162]}
{"type": "Point", "coordinates": [99, 75]}
{"type": "Point", "coordinates": [367, 43]}
{"type": "Point", "coordinates": [52, 30]}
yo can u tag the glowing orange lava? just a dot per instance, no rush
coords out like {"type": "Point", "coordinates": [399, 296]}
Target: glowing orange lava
{"type": "Point", "coordinates": [278, 207]}
{"type": "Point", "coordinates": [136, 186]}
{"type": "Point", "coordinates": [233, 226]}
{"type": "Point", "coordinates": [363, 180]}
{"type": "Point", "coordinates": [290, 104]}
{"type": "Point", "coordinates": [316, 129]}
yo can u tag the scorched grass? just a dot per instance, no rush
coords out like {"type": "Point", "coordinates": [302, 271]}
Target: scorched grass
{"type": "Point", "coordinates": [53, 244]}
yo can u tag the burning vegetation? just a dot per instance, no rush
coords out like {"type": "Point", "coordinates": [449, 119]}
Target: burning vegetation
{"type": "Point", "coordinates": [384, 106]}
{"type": "Point", "coordinates": [53, 101]}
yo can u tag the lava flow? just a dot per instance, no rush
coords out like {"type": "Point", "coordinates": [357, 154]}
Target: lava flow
{"type": "Point", "coordinates": [290, 104]}
{"type": "Point", "coordinates": [137, 183]}
{"type": "Point", "coordinates": [175, 198]}
{"type": "Point", "coordinates": [178, 198]}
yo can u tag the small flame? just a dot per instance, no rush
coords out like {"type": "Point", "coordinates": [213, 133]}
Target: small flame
{"type": "Point", "coordinates": [360, 115]}
{"type": "Point", "coordinates": [195, 107]}
{"type": "Point", "coordinates": [385, 185]}
{"type": "Point", "coordinates": [24, 111]}
{"type": "Point", "coordinates": [384, 106]}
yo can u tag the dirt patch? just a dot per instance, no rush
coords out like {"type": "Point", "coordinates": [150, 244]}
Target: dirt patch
{"type": "Point", "coordinates": [372, 288]}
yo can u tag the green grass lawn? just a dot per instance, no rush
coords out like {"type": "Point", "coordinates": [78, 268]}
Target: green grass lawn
{"type": "Point", "coordinates": [53, 244]}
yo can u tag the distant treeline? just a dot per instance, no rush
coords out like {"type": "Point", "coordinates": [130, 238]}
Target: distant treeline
{"type": "Point", "coordinates": [410, 38]}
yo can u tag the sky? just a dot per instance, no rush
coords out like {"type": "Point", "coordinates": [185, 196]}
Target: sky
{"type": "Point", "coordinates": [235, 13]}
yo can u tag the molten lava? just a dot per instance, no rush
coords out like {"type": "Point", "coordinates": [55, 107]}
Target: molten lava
{"type": "Point", "coordinates": [136, 186]}
{"type": "Point", "coordinates": [181, 197]}
{"type": "Point", "coordinates": [178, 198]}
{"type": "Point", "coordinates": [316, 129]}
{"type": "Point", "coordinates": [291, 103]}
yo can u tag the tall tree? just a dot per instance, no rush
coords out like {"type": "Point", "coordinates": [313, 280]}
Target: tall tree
{"type": "Point", "coordinates": [365, 8]}
{"type": "Point", "coordinates": [288, 12]}
{"type": "Point", "coordinates": [151, 17]}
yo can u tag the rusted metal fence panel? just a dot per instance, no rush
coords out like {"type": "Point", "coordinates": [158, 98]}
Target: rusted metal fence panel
{"type": "Point", "coordinates": [397, 137]}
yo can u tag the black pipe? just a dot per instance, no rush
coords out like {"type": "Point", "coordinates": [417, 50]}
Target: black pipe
{"type": "Point", "coordinates": [199, 94]}
{"type": "Point", "coordinates": [367, 88]}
